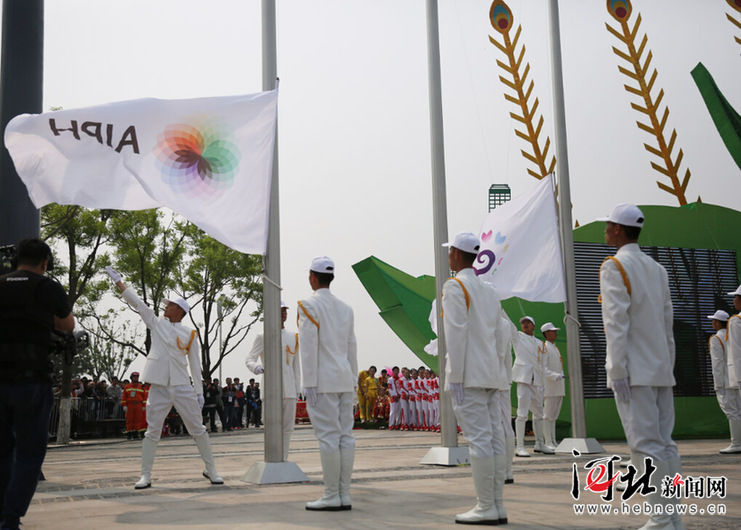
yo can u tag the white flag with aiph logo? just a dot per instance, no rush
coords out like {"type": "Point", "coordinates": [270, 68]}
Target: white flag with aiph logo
{"type": "Point", "coordinates": [520, 249]}
{"type": "Point", "coordinates": [208, 159]}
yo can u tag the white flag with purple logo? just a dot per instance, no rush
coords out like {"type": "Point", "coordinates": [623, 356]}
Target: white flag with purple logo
{"type": "Point", "coordinates": [521, 247]}
{"type": "Point", "coordinates": [208, 159]}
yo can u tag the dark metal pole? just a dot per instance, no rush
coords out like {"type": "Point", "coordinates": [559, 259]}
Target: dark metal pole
{"type": "Point", "coordinates": [21, 91]}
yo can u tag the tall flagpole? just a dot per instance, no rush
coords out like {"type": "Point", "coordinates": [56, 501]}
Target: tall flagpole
{"type": "Point", "coordinates": [274, 469]}
{"type": "Point", "coordinates": [578, 417]}
{"type": "Point", "coordinates": [449, 454]}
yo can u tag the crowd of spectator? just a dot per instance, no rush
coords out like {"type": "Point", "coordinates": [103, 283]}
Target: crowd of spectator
{"type": "Point", "coordinates": [235, 404]}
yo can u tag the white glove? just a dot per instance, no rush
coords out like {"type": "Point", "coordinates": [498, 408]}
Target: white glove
{"type": "Point", "coordinates": [258, 370]}
{"type": "Point", "coordinates": [456, 393]}
{"type": "Point", "coordinates": [126, 409]}
{"type": "Point", "coordinates": [201, 401]}
{"type": "Point", "coordinates": [310, 396]}
{"type": "Point", "coordinates": [115, 276]}
{"type": "Point", "coordinates": [720, 391]}
{"type": "Point", "coordinates": [622, 390]}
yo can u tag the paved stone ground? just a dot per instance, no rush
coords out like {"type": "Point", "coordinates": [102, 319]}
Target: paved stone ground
{"type": "Point", "coordinates": [90, 486]}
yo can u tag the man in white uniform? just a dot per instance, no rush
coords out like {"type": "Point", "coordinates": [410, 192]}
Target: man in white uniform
{"type": "Point", "coordinates": [555, 389]}
{"type": "Point", "coordinates": [527, 372]}
{"type": "Point", "coordinates": [174, 348]}
{"type": "Point", "coordinates": [638, 319]}
{"type": "Point", "coordinates": [733, 345]}
{"type": "Point", "coordinates": [475, 373]}
{"type": "Point", "coordinates": [329, 366]}
{"type": "Point", "coordinates": [728, 396]}
{"type": "Point", "coordinates": [291, 373]}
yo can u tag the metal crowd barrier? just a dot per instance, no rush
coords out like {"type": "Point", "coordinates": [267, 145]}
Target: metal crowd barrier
{"type": "Point", "coordinates": [89, 416]}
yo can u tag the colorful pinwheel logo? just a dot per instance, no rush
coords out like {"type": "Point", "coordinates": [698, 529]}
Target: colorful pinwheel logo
{"type": "Point", "coordinates": [198, 161]}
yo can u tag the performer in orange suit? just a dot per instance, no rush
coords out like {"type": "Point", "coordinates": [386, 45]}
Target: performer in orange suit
{"type": "Point", "coordinates": [134, 402]}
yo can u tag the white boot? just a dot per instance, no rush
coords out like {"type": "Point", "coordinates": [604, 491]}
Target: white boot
{"type": "Point", "coordinates": [149, 447]}
{"type": "Point", "coordinates": [331, 467]}
{"type": "Point", "coordinates": [624, 463]}
{"type": "Point", "coordinates": [540, 445]}
{"type": "Point", "coordinates": [554, 440]}
{"type": "Point", "coordinates": [347, 458]}
{"type": "Point", "coordinates": [657, 521]}
{"type": "Point", "coordinates": [286, 445]}
{"type": "Point", "coordinates": [510, 477]}
{"type": "Point", "coordinates": [674, 467]}
{"type": "Point", "coordinates": [500, 464]}
{"type": "Point", "coordinates": [485, 512]}
{"type": "Point", "coordinates": [204, 447]}
{"type": "Point", "coordinates": [735, 447]}
{"type": "Point", "coordinates": [520, 437]}
{"type": "Point", "coordinates": [550, 442]}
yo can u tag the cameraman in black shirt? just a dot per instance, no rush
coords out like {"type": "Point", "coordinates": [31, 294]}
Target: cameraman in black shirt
{"type": "Point", "coordinates": [31, 307]}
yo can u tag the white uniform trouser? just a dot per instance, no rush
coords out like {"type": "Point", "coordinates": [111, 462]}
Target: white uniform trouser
{"type": "Point", "coordinates": [404, 412]}
{"type": "Point", "coordinates": [648, 421]}
{"type": "Point", "coordinates": [332, 419]}
{"type": "Point", "coordinates": [730, 403]}
{"type": "Point", "coordinates": [529, 398]}
{"type": "Point", "coordinates": [481, 420]}
{"type": "Point", "coordinates": [412, 420]}
{"type": "Point", "coordinates": [552, 407]}
{"type": "Point", "coordinates": [289, 414]}
{"type": "Point", "coordinates": [504, 398]}
{"type": "Point", "coordinates": [161, 400]}
{"type": "Point", "coordinates": [395, 413]}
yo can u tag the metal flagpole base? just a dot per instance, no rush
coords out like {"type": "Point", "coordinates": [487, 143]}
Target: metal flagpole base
{"type": "Point", "coordinates": [446, 456]}
{"type": "Point", "coordinates": [583, 445]}
{"type": "Point", "coordinates": [274, 473]}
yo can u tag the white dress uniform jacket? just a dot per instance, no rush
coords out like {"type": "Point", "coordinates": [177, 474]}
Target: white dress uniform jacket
{"type": "Point", "coordinates": [554, 386]}
{"type": "Point", "coordinates": [291, 369]}
{"type": "Point", "coordinates": [733, 351]}
{"type": "Point", "coordinates": [473, 356]}
{"type": "Point", "coordinates": [718, 361]}
{"type": "Point", "coordinates": [638, 325]}
{"type": "Point", "coordinates": [529, 362]}
{"type": "Point", "coordinates": [169, 357]}
{"type": "Point", "coordinates": [329, 357]}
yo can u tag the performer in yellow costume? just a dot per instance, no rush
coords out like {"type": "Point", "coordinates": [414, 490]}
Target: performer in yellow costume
{"type": "Point", "coordinates": [361, 396]}
{"type": "Point", "coordinates": [370, 388]}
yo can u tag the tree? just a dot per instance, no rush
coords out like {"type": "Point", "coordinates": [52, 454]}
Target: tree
{"type": "Point", "coordinates": [82, 233]}
{"type": "Point", "coordinates": [149, 250]}
{"type": "Point", "coordinates": [108, 358]}
{"type": "Point", "coordinates": [217, 274]}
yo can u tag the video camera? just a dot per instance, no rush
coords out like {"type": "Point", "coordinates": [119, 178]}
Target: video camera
{"type": "Point", "coordinates": [69, 344]}
{"type": "Point", "coordinates": [8, 259]}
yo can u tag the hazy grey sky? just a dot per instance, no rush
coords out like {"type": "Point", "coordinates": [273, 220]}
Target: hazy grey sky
{"type": "Point", "coordinates": [353, 110]}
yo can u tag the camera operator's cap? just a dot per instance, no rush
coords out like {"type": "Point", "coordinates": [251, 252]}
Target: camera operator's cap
{"type": "Point", "coordinates": [719, 315]}
{"type": "Point", "coordinates": [283, 304]}
{"type": "Point", "coordinates": [548, 326]}
{"type": "Point", "coordinates": [322, 264]}
{"type": "Point", "coordinates": [465, 241]}
{"type": "Point", "coordinates": [523, 319]}
{"type": "Point", "coordinates": [179, 302]}
{"type": "Point", "coordinates": [134, 374]}
{"type": "Point", "coordinates": [737, 292]}
{"type": "Point", "coordinates": [625, 214]}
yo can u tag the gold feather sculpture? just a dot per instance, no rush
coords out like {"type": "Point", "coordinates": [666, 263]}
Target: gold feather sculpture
{"type": "Point", "coordinates": [735, 4]}
{"type": "Point", "coordinates": [500, 16]}
{"type": "Point", "coordinates": [638, 73]}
